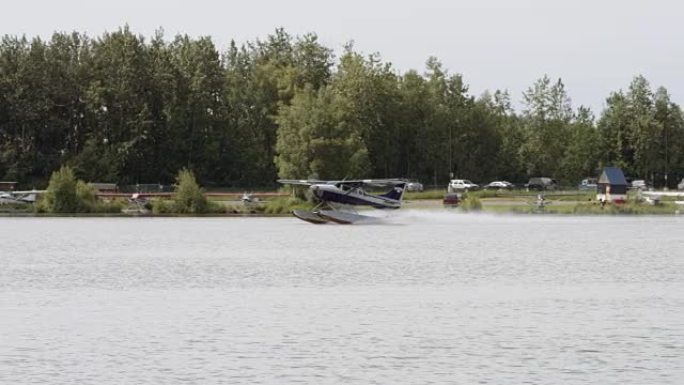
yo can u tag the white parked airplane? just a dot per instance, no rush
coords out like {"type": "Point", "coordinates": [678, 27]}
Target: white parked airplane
{"type": "Point", "coordinates": [19, 197]}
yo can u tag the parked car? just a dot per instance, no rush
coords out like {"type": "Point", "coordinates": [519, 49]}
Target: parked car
{"type": "Point", "coordinates": [414, 186]}
{"type": "Point", "coordinates": [680, 186]}
{"type": "Point", "coordinates": [639, 184]}
{"type": "Point", "coordinates": [462, 185]}
{"type": "Point", "coordinates": [500, 184]}
{"type": "Point", "coordinates": [588, 184]}
{"type": "Point", "coordinates": [542, 183]}
{"type": "Point", "coordinates": [451, 200]}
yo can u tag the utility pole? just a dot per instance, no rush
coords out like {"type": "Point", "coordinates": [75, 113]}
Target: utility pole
{"type": "Point", "coordinates": [667, 161]}
{"type": "Point", "coordinates": [451, 145]}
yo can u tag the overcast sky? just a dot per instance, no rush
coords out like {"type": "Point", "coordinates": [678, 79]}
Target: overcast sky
{"type": "Point", "coordinates": [595, 46]}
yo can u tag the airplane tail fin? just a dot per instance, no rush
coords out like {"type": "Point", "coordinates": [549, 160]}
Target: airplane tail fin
{"type": "Point", "coordinates": [397, 192]}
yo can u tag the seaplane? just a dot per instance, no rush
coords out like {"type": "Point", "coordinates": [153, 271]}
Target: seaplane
{"type": "Point", "coordinates": [338, 199]}
{"type": "Point", "coordinates": [19, 197]}
{"type": "Point", "coordinates": [540, 203]}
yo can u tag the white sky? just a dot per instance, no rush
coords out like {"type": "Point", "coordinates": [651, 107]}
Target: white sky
{"type": "Point", "coordinates": [595, 46]}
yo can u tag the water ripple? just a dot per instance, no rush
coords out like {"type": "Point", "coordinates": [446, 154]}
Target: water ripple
{"type": "Point", "coordinates": [442, 299]}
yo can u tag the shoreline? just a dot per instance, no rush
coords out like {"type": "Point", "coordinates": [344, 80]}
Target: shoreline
{"type": "Point", "coordinates": [499, 206]}
{"type": "Point", "coordinates": [150, 215]}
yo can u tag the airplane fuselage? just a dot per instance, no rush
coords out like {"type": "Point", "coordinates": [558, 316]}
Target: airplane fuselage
{"type": "Point", "coordinates": [352, 196]}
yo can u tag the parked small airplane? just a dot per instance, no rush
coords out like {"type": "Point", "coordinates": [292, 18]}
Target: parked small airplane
{"type": "Point", "coordinates": [540, 203]}
{"type": "Point", "coordinates": [19, 197]}
{"type": "Point", "coordinates": [137, 204]}
{"type": "Point", "coordinates": [6, 198]}
{"type": "Point", "coordinates": [250, 201]}
{"type": "Point", "coordinates": [340, 196]}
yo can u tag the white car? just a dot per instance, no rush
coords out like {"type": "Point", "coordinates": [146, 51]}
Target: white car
{"type": "Point", "coordinates": [640, 184]}
{"type": "Point", "coordinates": [680, 186]}
{"type": "Point", "coordinates": [462, 184]}
{"type": "Point", "coordinates": [500, 184]}
{"type": "Point", "coordinates": [414, 186]}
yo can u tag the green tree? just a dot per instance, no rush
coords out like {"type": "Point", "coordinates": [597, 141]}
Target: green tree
{"type": "Point", "coordinates": [124, 109]}
{"type": "Point", "coordinates": [24, 69]}
{"type": "Point", "coordinates": [669, 116]}
{"type": "Point", "coordinates": [508, 158]}
{"type": "Point", "coordinates": [260, 78]}
{"type": "Point", "coordinates": [613, 126]}
{"type": "Point", "coordinates": [581, 157]}
{"type": "Point", "coordinates": [320, 137]}
{"type": "Point", "coordinates": [414, 112]}
{"type": "Point", "coordinates": [641, 131]}
{"type": "Point", "coordinates": [197, 109]}
{"type": "Point", "coordinates": [62, 194]}
{"type": "Point", "coordinates": [372, 89]}
{"type": "Point", "coordinates": [546, 118]}
{"type": "Point", "coordinates": [645, 131]}
{"type": "Point", "coordinates": [117, 113]}
{"type": "Point", "coordinates": [189, 197]}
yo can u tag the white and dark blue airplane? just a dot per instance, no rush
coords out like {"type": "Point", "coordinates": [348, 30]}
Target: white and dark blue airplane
{"type": "Point", "coordinates": [342, 195]}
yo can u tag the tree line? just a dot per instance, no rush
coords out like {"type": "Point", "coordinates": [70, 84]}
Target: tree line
{"type": "Point", "coordinates": [126, 109]}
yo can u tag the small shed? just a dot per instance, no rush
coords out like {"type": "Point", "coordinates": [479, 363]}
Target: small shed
{"type": "Point", "coordinates": [612, 186]}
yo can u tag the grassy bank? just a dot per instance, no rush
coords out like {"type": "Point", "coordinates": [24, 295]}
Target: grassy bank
{"type": "Point", "coordinates": [426, 194]}
{"type": "Point", "coordinates": [564, 195]}
{"type": "Point", "coordinates": [566, 202]}
{"type": "Point", "coordinates": [589, 209]}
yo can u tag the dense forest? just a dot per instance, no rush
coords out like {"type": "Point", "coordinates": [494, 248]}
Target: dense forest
{"type": "Point", "coordinates": [125, 109]}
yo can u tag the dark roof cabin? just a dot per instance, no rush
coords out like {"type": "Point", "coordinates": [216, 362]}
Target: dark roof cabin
{"type": "Point", "coordinates": [7, 186]}
{"type": "Point", "coordinates": [612, 181]}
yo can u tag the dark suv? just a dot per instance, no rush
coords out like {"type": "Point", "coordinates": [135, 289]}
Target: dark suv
{"type": "Point", "coordinates": [542, 183]}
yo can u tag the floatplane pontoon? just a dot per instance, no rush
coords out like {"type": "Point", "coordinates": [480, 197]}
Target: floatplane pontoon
{"type": "Point", "coordinates": [337, 199]}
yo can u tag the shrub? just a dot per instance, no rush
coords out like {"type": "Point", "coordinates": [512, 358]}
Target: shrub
{"type": "Point", "coordinates": [67, 195]}
{"type": "Point", "coordinates": [113, 207]}
{"type": "Point", "coordinates": [286, 205]}
{"type": "Point", "coordinates": [61, 195]}
{"type": "Point", "coordinates": [626, 208]}
{"type": "Point", "coordinates": [216, 208]}
{"type": "Point", "coordinates": [87, 197]}
{"type": "Point", "coordinates": [471, 203]}
{"type": "Point", "coordinates": [85, 192]}
{"type": "Point", "coordinates": [162, 207]}
{"type": "Point", "coordinates": [189, 197]}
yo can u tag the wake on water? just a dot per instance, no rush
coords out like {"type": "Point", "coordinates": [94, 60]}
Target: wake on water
{"type": "Point", "coordinates": [413, 216]}
{"type": "Point", "coordinates": [455, 217]}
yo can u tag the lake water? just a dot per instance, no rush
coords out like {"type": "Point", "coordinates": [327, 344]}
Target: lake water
{"type": "Point", "coordinates": [425, 298]}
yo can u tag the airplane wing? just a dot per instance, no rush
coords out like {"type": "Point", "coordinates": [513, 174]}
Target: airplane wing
{"type": "Point", "coordinates": [348, 182]}
{"type": "Point", "coordinates": [302, 182]}
{"type": "Point", "coordinates": [27, 192]}
{"type": "Point", "coordinates": [374, 182]}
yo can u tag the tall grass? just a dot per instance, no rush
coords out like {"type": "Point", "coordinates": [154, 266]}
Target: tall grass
{"type": "Point", "coordinates": [189, 198]}
{"type": "Point", "coordinates": [560, 195]}
{"type": "Point", "coordinates": [631, 208]}
{"type": "Point", "coordinates": [471, 203]}
{"type": "Point", "coordinates": [427, 194]}
{"type": "Point", "coordinates": [66, 194]}
{"type": "Point", "coordinates": [286, 205]}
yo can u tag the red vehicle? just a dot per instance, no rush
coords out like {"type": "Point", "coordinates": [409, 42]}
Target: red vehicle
{"type": "Point", "coordinates": [451, 200]}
